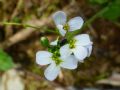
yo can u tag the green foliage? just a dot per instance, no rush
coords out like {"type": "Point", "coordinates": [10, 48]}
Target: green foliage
{"type": "Point", "coordinates": [113, 8]}
{"type": "Point", "coordinates": [98, 1]}
{"type": "Point", "coordinates": [113, 12]}
{"type": "Point", "coordinates": [5, 61]}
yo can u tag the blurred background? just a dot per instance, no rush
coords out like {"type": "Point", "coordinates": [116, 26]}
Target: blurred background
{"type": "Point", "coordinates": [19, 44]}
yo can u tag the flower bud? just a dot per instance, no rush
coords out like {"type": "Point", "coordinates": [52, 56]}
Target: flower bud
{"type": "Point", "coordinates": [44, 41]}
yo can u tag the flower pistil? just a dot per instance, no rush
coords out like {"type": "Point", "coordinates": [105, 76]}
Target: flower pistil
{"type": "Point", "coordinates": [66, 27]}
{"type": "Point", "coordinates": [72, 43]}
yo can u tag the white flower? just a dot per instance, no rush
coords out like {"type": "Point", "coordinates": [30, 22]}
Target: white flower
{"type": "Point", "coordinates": [56, 62]}
{"type": "Point", "coordinates": [80, 46]}
{"type": "Point", "coordinates": [60, 20]}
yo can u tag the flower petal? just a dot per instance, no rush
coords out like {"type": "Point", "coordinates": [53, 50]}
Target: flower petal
{"type": "Point", "coordinates": [43, 57]}
{"type": "Point", "coordinates": [59, 18]}
{"type": "Point", "coordinates": [51, 72]}
{"type": "Point", "coordinates": [54, 42]}
{"type": "Point", "coordinates": [61, 30]}
{"type": "Point", "coordinates": [69, 62]}
{"type": "Point", "coordinates": [89, 48]}
{"type": "Point", "coordinates": [65, 51]}
{"type": "Point", "coordinates": [83, 40]}
{"type": "Point", "coordinates": [75, 23]}
{"type": "Point", "coordinates": [80, 53]}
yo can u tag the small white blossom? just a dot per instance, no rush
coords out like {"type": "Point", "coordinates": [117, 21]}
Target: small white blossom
{"type": "Point", "coordinates": [73, 24]}
{"type": "Point", "coordinates": [55, 63]}
{"type": "Point", "coordinates": [80, 46]}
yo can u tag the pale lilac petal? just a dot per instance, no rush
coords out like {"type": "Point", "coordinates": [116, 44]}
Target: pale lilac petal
{"type": "Point", "coordinates": [59, 18]}
{"type": "Point", "coordinates": [75, 23]}
{"type": "Point", "coordinates": [43, 57]}
{"type": "Point", "coordinates": [80, 52]}
{"type": "Point", "coordinates": [83, 40]}
{"type": "Point", "coordinates": [89, 49]}
{"type": "Point", "coordinates": [65, 51]}
{"type": "Point", "coordinates": [61, 30]}
{"type": "Point", "coordinates": [69, 62]}
{"type": "Point", "coordinates": [52, 72]}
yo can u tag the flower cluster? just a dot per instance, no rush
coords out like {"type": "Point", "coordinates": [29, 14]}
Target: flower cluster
{"type": "Point", "coordinates": [64, 53]}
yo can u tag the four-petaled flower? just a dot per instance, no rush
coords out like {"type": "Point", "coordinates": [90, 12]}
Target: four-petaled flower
{"type": "Point", "coordinates": [63, 26]}
{"type": "Point", "coordinates": [56, 62]}
{"type": "Point", "coordinates": [80, 46]}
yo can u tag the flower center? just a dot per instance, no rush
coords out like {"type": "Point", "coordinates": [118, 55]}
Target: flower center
{"type": "Point", "coordinates": [72, 43]}
{"type": "Point", "coordinates": [66, 27]}
{"type": "Point", "coordinates": [56, 59]}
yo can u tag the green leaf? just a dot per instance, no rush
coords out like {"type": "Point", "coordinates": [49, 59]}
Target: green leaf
{"type": "Point", "coordinates": [5, 61]}
{"type": "Point", "coordinates": [113, 12]}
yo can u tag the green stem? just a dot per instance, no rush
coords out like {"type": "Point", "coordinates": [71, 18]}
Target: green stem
{"type": "Point", "coordinates": [11, 23]}
{"type": "Point", "coordinates": [26, 25]}
{"type": "Point", "coordinates": [89, 21]}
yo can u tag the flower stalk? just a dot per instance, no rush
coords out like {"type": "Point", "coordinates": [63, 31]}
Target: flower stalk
{"type": "Point", "coordinates": [27, 25]}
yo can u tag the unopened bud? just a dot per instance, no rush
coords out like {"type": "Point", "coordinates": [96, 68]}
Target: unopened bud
{"type": "Point", "coordinates": [44, 41]}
